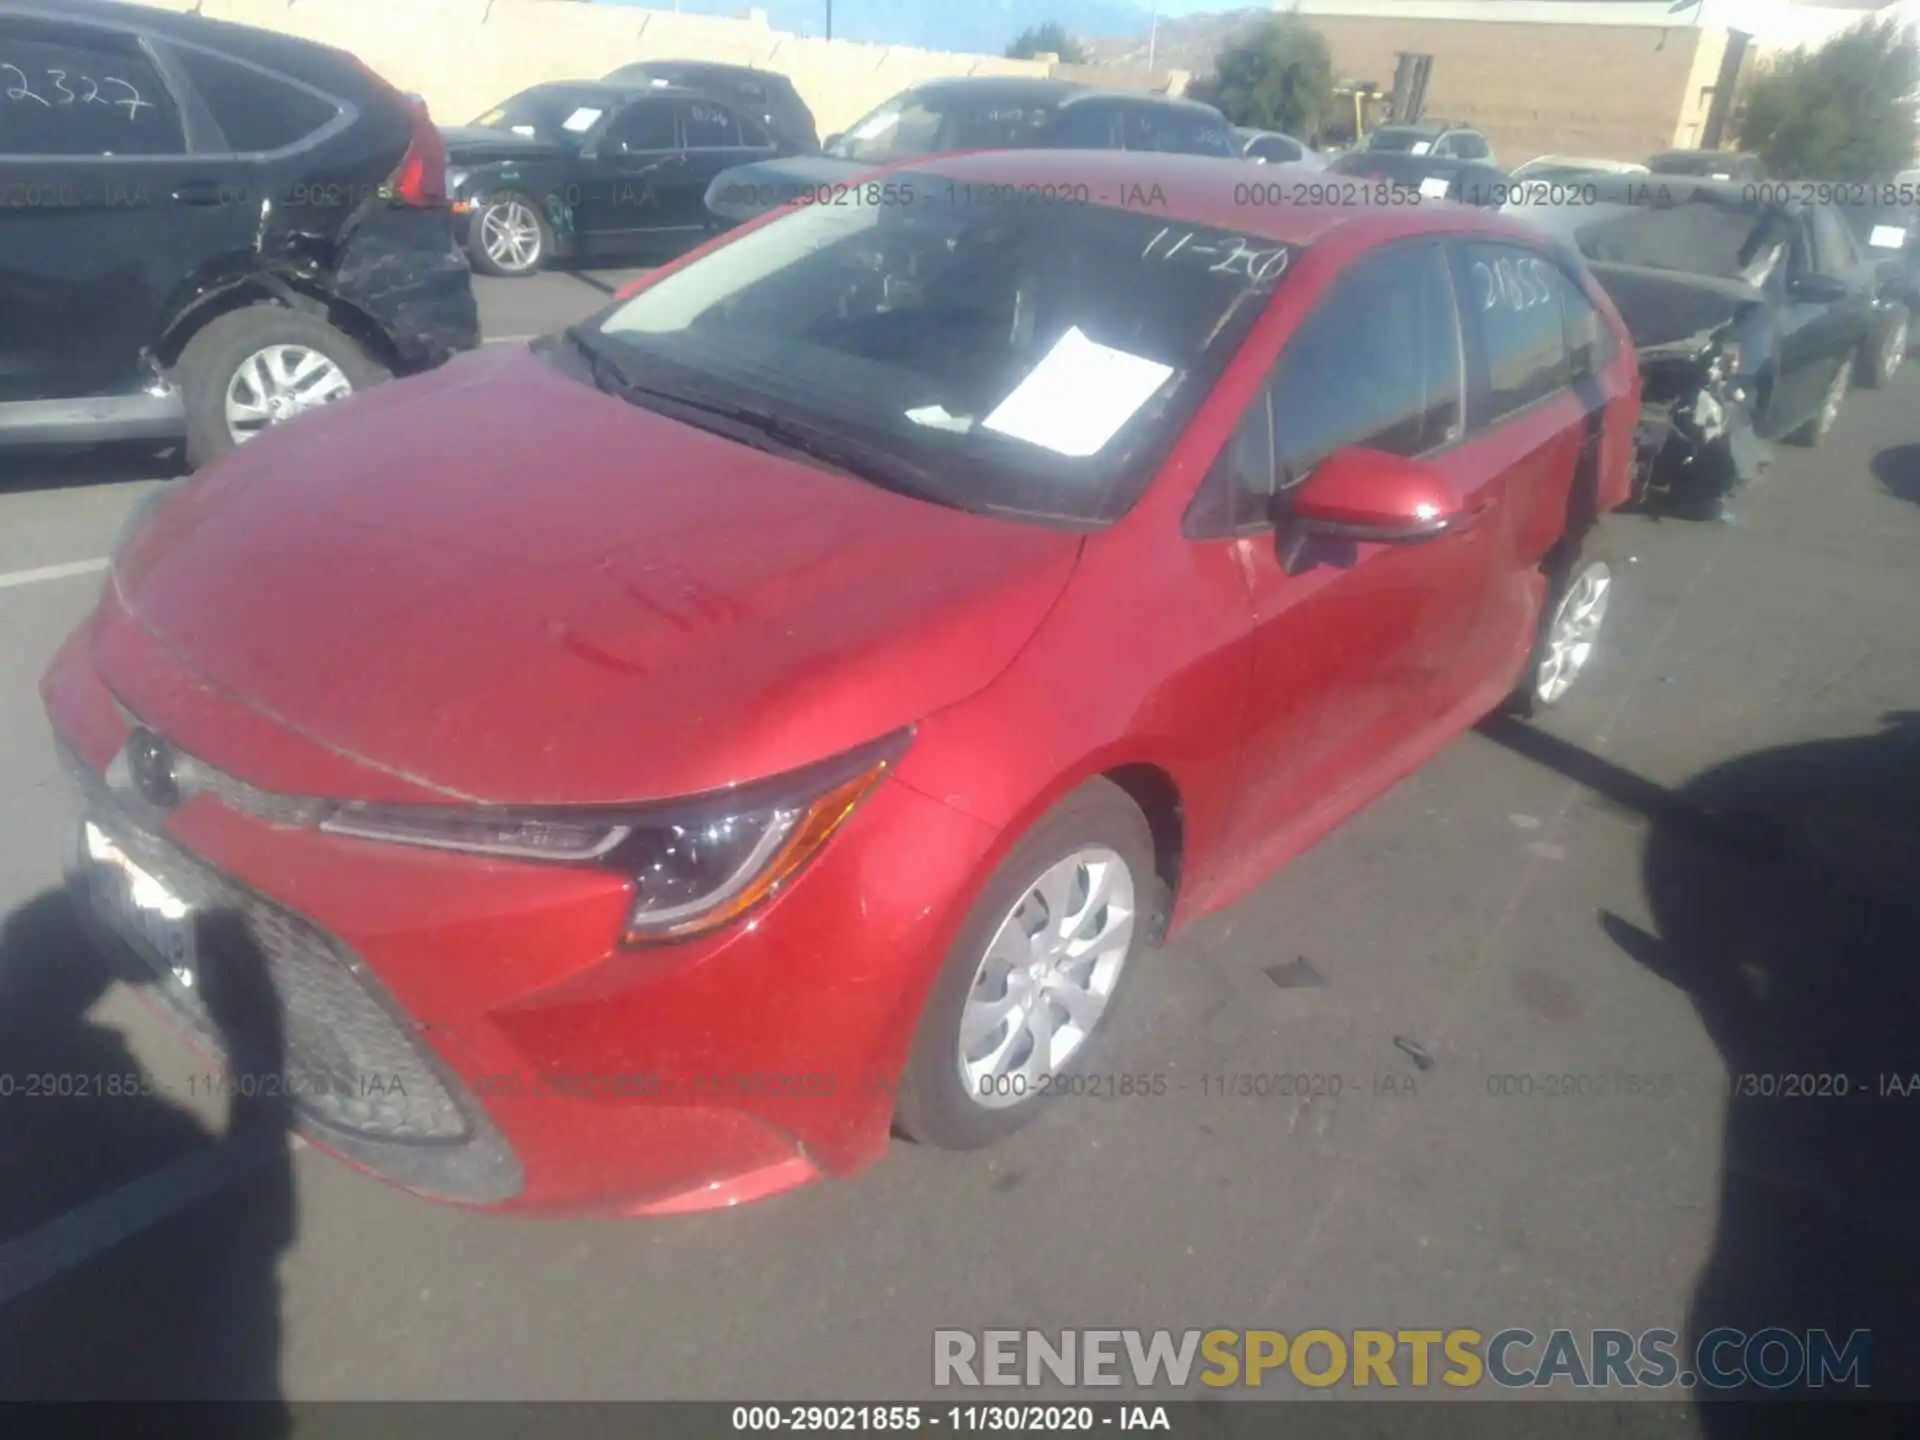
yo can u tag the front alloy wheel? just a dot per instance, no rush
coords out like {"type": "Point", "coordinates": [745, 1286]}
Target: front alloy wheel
{"type": "Point", "coordinates": [1034, 972]}
{"type": "Point", "coordinates": [1046, 978]}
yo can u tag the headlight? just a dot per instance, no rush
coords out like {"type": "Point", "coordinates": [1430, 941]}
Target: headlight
{"type": "Point", "coordinates": [695, 864]}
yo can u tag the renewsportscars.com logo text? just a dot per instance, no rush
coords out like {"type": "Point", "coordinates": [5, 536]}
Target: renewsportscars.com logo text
{"type": "Point", "coordinates": [1724, 1359]}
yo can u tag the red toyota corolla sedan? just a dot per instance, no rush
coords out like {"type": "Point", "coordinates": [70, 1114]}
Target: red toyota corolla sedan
{"type": "Point", "coordinates": [647, 765]}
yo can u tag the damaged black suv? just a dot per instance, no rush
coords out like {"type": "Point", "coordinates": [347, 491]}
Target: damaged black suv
{"type": "Point", "coordinates": [207, 229]}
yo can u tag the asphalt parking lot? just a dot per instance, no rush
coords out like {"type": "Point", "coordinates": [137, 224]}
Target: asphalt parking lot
{"type": "Point", "coordinates": [1489, 921]}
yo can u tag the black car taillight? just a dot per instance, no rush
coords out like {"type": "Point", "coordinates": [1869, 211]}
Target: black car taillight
{"type": "Point", "coordinates": [422, 177]}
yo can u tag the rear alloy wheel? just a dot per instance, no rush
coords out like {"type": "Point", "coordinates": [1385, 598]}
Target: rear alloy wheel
{"type": "Point", "coordinates": [1034, 973]}
{"type": "Point", "coordinates": [1579, 597]}
{"type": "Point", "coordinates": [1573, 630]}
{"type": "Point", "coordinates": [1818, 428]}
{"type": "Point", "coordinates": [508, 237]}
{"type": "Point", "coordinates": [1882, 362]}
{"type": "Point", "coordinates": [262, 366]}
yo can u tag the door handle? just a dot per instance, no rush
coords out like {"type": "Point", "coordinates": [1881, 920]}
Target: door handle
{"type": "Point", "coordinates": [199, 192]}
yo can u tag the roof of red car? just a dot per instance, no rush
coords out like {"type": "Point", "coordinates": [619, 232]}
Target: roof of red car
{"type": "Point", "coordinates": [1280, 202]}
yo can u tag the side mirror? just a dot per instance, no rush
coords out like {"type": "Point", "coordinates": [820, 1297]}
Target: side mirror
{"type": "Point", "coordinates": [1818, 289]}
{"type": "Point", "coordinates": [1366, 497]}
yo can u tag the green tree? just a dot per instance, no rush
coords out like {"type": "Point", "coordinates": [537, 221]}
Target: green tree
{"type": "Point", "coordinates": [1276, 76]}
{"type": "Point", "coordinates": [1842, 112]}
{"type": "Point", "coordinates": [1048, 39]}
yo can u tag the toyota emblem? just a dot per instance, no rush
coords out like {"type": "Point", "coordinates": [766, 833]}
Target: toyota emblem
{"type": "Point", "coordinates": [150, 763]}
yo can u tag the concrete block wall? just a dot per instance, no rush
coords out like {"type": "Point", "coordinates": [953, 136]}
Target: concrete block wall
{"type": "Point", "coordinates": [465, 56]}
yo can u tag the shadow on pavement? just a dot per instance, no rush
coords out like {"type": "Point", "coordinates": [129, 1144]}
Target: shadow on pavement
{"type": "Point", "coordinates": [56, 468]}
{"type": "Point", "coordinates": [138, 1248]}
{"type": "Point", "coordinates": [1784, 888]}
{"type": "Point", "coordinates": [1898, 470]}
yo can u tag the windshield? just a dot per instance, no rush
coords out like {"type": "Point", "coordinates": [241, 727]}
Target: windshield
{"type": "Point", "coordinates": [926, 122]}
{"type": "Point", "coordinates": [1037, 359]}
{"type": "Point", "coordinates": [560, 117]}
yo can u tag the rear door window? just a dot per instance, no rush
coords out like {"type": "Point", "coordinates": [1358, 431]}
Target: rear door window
{"type": "Point", "coordinates": [1516, 328]}
{"type": "Point", "coordinates": [1469, 146]}
{"type": "Point", "coordinates": [1590, 343]}
{"type": "Point", "coordinates": [91, 93]}
{"type": "Point", "coordinates": [255, 109]}
{"type": "Point", "coordinates": [708, 126]}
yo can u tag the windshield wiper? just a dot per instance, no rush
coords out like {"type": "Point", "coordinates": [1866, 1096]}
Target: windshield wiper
{"type": "Point", "coordinates": [830, 447]}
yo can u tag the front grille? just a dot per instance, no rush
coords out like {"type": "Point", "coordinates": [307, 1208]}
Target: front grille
{"type": "Point", "coordinates": [354, 1077]}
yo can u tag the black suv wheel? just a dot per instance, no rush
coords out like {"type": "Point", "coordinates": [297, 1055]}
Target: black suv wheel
{"type": "Point", "coordinates": [262, 366]}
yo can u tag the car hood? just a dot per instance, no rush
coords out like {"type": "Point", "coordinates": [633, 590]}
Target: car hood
{"type": "Point", "coordinates": [1662, 308]}
{"type": "Point", "coordinates": [749, 190]}
{"type": "Point", "coordinates": [504, 585]}
{"type": "Point", "coordinates": [474, 145]}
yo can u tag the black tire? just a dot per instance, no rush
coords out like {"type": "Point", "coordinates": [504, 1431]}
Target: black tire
{"type": "Point", "coordinates": [1563, 570]}
{"type": "Point", "coordinates": [476, 247]}
{"type": "Point", "coordinates": [207, 367]}
{"type": "Point", "coordinates": [932, 1105]}
{"type": "Point", "coordinates": [1885, 351]}
{"type": "Point", "coordinates": [1816, 430]}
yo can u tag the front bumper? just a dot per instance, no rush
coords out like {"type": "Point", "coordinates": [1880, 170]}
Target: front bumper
{"type": "Point", "coordinates": [544, 1068]}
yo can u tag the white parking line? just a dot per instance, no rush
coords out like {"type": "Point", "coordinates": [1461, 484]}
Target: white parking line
{"type": "Point", "coordinates": [10, 578]}
{"type": "Point", "coordinates": [72, 1239]}
{"type": "Point", "coordinates": [508, 339]}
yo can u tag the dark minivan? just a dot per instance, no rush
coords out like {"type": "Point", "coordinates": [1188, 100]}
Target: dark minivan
{"type": "Point", "coordinates": [208, 229]}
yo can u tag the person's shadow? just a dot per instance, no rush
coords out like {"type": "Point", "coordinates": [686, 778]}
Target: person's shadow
{"type": "Point", "coordinates": [1784, 889]}
{"type": "Point", "coordinates": [138, 1247]}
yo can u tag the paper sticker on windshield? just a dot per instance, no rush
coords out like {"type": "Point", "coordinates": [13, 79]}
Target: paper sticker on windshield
{"type": "Point", "coordinates": [878, 125]}
{"type": "Point", "coordinates": [1887, 237]}
{"type": "Point", "coordinates": [526, 130]}
{"type": "Point", "coordinates": [581, 119]}
{"type": "Point", "coordinates": [1421, 147]}
{"type": "Point", "coordinates": [1076, 399]}
{"type": "Point", "coordinates": [1434, 188]}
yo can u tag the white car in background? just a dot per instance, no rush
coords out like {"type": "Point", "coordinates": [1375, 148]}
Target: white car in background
{"type": "Point", "coordinates": [1574, 167]}
{"type": "Point", "coordinates": [1271, 147]}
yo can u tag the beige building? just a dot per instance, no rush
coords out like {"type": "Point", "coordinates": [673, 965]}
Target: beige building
{"type": "Point", "coordinates": [1615, 79]}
